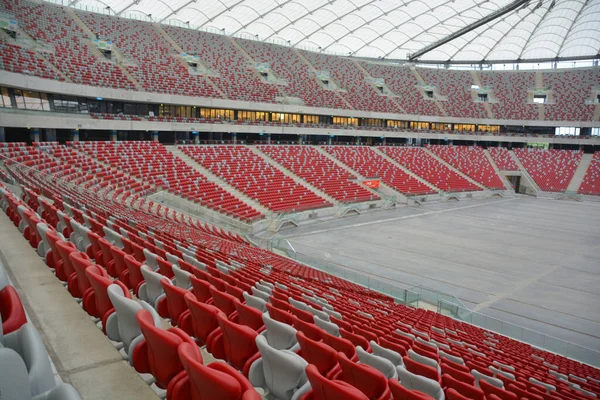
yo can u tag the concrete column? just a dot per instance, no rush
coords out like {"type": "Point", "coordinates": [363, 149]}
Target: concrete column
{"type": "Point", "coordinates": [383, 140]}
{"type": "Point", "coordinates": [113, 136]}
{"type": "Point", "coordinates": [75, 135]}
{"type": "Point", "coordinates": [35, 135]}
{"type": "Point", "coordinates": [234, 138]}
{"type": "Point", "coordinates": [358, 140]}
{"type": "Point", "coordinates": [268, 138]}
{"type": "Point", "coordinates": [155, 136]}
{"type": "Point", "coordinates": [330, 140]}
{"type": "Point", "coordinates": [299, 139]}
{"type": "Point", "coordinates": [50, 135]}
{"type": "Point", "coordinates": [2, 135]}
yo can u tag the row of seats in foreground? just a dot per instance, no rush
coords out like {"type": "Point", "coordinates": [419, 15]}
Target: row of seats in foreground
{"type": "Point", "coordinates": [270, 327]}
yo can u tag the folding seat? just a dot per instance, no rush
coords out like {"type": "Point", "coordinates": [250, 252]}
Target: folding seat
{"type": "Point", "coordinates": [14, 381]}
{"type": "Point", "coordinates": [282, 305]}
{"type": "Point", "coordinates": [182, 277]}
{"type": "Point", "coordinates": [201, 289]}
{"type": "Point", "coordinates": [389, 354]}
{"type": "Point", "coordinates": [479, 377]}
{"type": "Point", "coordinates": [44, 249]}
{"type": "Point", "coordinates": [28, 344]}
{"type": "Point", "coordinates": [204, 324]}
{"type": "Point", "coordinates": [239, 344]}
{"type": "Point", "coordinates": [490, 389]}
{"type": "Point", "coordinates": [176, 306]}
{"type": "Point", "coordinates": [521, 393]}
{"type": "Point", "coordinates": [465, 389]}
{"type": "Point", "coordinates": [122, 326]}
{"type": "Point", "coordinates": [322, 388]}
{"type": "Point", "coordinates": [11, 310]}
{"type": "Point", "coordinates": [249, 316]}
{"type": "Point", "coordinates": [157, 353]}
{"type": "Point", "coordinates": [281, 371]}
{"type": "Point", "coordinates": [216, 381]}
{"type": "Point", "coordinates": [152, 292]}
{"type": "Point", "coordinates": [399, 392]}
{"type": "Point", "coordinates": [364, 377]}
{"type": "Point", "coordinates": [309, 329]}
{"type": "Point", "coordinates": [279, 335]}
{"type": "Point", "coordinates": [104, 257]}
{"type": "Point", "coordinates": [357, 340]}
{"type": "Point", "coordinates": [340, 344]}
{"type": "Point", "coordinates": [319, 354]}
{"type": "Point", "coordinates": [255, 302]}
{"type": "Point", "coordinates": [133, 277]}
{"type": "Point", "coordinates": [420, 383]}
{"type": "Point", "coordinates": [426, 360]}
{"type": "Point", "coordinates": [383, 365]}
{"type": "Point", "coordinates": [102, 306]}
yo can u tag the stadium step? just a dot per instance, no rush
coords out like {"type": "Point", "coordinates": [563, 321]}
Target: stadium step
{"type": "Point", "coordinates": [422, 82]}
{"type": "Point", "coordinates": [368, 75]}
{"type": "Point", "coordinates": [406, 170]}
{"type": "Point", "coordinates": [217, 180]}
{"type": "Point", "coordinates": [293, 176]}
{"type": "Point", "coordinates": [580, 173]}
{"type": "Point", "coordinates": [459, 172]}
{"type": "Point", "coordinates": [524, 173]}
{"type": "Point", "coordinates": [506, 182]}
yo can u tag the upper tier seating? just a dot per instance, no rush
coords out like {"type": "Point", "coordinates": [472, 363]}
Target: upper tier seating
{"type": "Point", "coordinates": [21, 60]}
{"type": "Point", "coordinates": [236, 75]}
{"type": "Point", "coordinates": [472, 162]}
{"type": "Point", "coordinates": [456, 86]}
{"type": "Point", "coordinates": [591, 179]}
{"type": "Point", "coordinates": [503, 159]}
{"type": "Point", "coordinates": [552, 170]}
{"type": "Point", "coordinates": [511, 89]}
{"type": "Point", "coordinates": [369, 164]}
{"type": "Point", "coordinates": [286, 65]}
{"type": "Point", "coordinates": [428, 344]}
{"type": "Point", "coordinates": [155, 64]}
{"type": "Point", "coordinates": [152, 163]}
{"type": "Point", "coordinates": [318, 170]}
{"type": "Point", "coordinates": [418, 161]}
{"type": "Point", "coordinates": [570, 93]}
{"type": "Point", "coordinates": [360, 94]}
{"type": "Point", "coordinates": [252, 175]}
{"type": "Point", "coordinates": [73, 54]}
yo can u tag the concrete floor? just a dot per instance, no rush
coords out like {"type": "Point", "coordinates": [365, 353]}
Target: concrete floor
{"type": "Point", "coordinates": [527, 261]}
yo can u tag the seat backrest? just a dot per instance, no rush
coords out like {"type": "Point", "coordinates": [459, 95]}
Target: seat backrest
{"type": "Point", "coordinates": [319, 354]}
{"type": "Point", "coordinates": [381, 364]}
{"type": "Point", "coordinates": [238, 341]}
{"type": "Point", "coordinates": [324, 389]}
{"type": "Point", "coordinates": [127, 327]}
{"type": "Point", "coordinates": [367, 379]}
{"type": "Point", "coordinates": [224, 301]}
{"type": "Point", "coordinates": [26, 341]}
{"type": "Point", "coordinates": [176, 304]}
{"type": "Point", "coordinates": [424, 360]}
{"type": "Point", "coordinates": [248, 316]}
{"type": "Point", "coordinates": [400, 392]}
{"type": "Point", "coordinates": [134, 267]}
{"type": "Point", "coordinates": [182, 278]}
{"type": "Point", "coordinates": [284, 370]}
{"type": "Point", "coordinates": [12, 312]}
{"type": "Point", "coordinates": [421, 369]}
{"type": "Point", "coordinates": [327, 326]}
{"type": "Point", "coordinates": [309, 329]}
{"type": "Point", "coordinates": [394, 357]}
{"type": "Point", "coordinates": [279, 335]}
{"type": "Point", "coordinates": [201, 289]}
{"type": "Point", "coordinates": [162, 344]}
{"type": "Point", "coordinates": [14, 383]}
{"type": "Point", "coordinates": [100, 285]}
{"type": "Point", "coordinates": [217, 381]}
{"type": "Point", "coordinates": [482, 377]}
{"type": "Point", "coordinates": [357, 340]}
{"type": "Point", "coordinates": [280, 315]}
{"type": "Point", "coordinates": [340, 344]}
{"type": "Point", "coordinates": [490, 389]}
{"type": "Point", "coordinates": [463, 388]}
{"type": "Point", "coordinates": [153, 286]}
{"type": "Point", "coordinates": [204, 317]}
{"type": "Point", "coordinates": [255, 302]}
{"type": "Point", "coordinates": [422, 384]}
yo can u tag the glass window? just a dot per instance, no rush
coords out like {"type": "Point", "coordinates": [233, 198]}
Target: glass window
{"type": "Point", "coordinates": [311, 119]}
{"type": "Point", "coordinates": [566, 131]}
{"type": "Point", "coordinates": [65, 104]}
{"type": "Point", "coordinates": [45, 102]}
{"type": "Point", "coordinates": [441, 127]}
{"type": "Point", "coordinates": [5, 98]}
{"type": "Point", "coordinates": [419, 125]}
{"type": "Point", "coordinates": [397, 124]}
{"type": "Point", "coordinates": [595, 131]}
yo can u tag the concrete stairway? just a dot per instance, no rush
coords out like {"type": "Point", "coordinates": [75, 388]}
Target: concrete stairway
{"type": "Point", "coordinates": [579, 173]}
{"type": "Point", "coordinates": [293, 176]}
{"type": "Point", "coordinates": [524, 173]}
{"type": "Point", "coordinates": [368, 75]}
{"type": "Point", "coordinates": [216, 179]}
{"type": "Point", "coordinates": [388, 190]}
{"type": "Point", "coordinates": [420, 79]}
{"type": "Point", "coordinates": [459, 172]}
{"type": "Point", "coordinates": [506, 182]}
{"type": "Point", "coordinates": [406, 170]}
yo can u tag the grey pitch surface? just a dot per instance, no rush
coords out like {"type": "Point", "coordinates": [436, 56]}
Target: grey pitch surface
{"type": "Point", "coordinates": [532, 262]}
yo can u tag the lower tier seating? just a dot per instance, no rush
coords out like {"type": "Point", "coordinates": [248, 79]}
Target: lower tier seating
{"type": "Point", "coordinates": [552, 170]}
